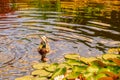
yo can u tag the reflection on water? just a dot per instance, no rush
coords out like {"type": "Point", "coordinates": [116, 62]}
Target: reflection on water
{"type": "Point", "coordinates": [89, 29]}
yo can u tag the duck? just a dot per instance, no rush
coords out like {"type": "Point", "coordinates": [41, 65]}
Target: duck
{"type": "Point", "coordinates": [44, 48]}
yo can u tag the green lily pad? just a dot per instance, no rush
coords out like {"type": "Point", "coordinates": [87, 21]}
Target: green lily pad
{"type": "Point", "coordinates": [103, 70]}
{"type": "Point", "coordinates": [52, 67]}
{"type": "Point", "coordinates": [62, 65]}
{"type": "Point", "coordinates": [58, 72]}
{"type": "Point", "coordinates": [73, 75]}
{"type": "Point", "coordinates": [92, 69]}
{"type": "Point", "coordinates": [25, 78]}
{"type": "Point", "coordinates": [87, 75]}
{"type": "Point", "coordinates": [98, 63]}
{"type": "Point", "coordinates": [73, 62]}
{"type": "Point", "coordinates": [40, 73]}
{"type": "Point", "coordinates": [90, 78]}
{"type": "Point", "coordinates": [72, 56]}
{"type": "Point", "coordinates": [79, 69]}
{"type": "Point", "coordinates": [109, 63]}
{"type": "Point", "coordinates": [40, 65]}
{"type": "Point", "coordinates": [98, 76]}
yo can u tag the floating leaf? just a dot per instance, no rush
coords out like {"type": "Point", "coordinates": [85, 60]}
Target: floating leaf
{"type": "Point", "coordinates": [52, 67]}
{"type": "Point", "coordinates": [106, 78]}
{"type": "Point", "coordinates": [59, 71]}
{"type": "Point", "coordinates": [88, 74]}
{"type": "Point", "coordinates": [91, 78]}
{"type": "Point", "coordinates": [40, 78]}
{"type": "Point", "coordinates": [109, 62]}
{"type": "Point", "coordinates": [103, 70]}
{"type": "Point", "coordinates": [73, 75]}
{"type": "Point", "coordinates": [87, 60]}
{"type": "Point", "coordinates": [109, 56]}
{"type": "Point", "coordinates": [114, 50]}
{"type": "Point", "coordinates": [92, 69]}
{"type": "Point", "coordinates": [72, 56]}
{"type": "Point", "coordinates": [106, 67]}
{"type": "Point", "coordinates": [62, 65]}
{"type": "Point", "coordinates": [79, 69]}
{"type": "Point", "coordinates": [117, 61]}
{"type": "Point", "coordinates": [73, 62]}
{"type": "Point", "coordinates": [111, 74]}
{"type": "Point", "coordinates": [40, 65]}
{"type": "Point", "coordinates": [25, 78]}
{"type": "Point", "coordinates": [100, 76]}
{"type": "Point", "coordinates": [98, 63]}
{"type": "Point", "coordinates": [40, 73]}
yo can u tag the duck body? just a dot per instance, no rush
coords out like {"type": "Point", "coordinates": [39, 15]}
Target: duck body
{"type": "Point", "coordinates": [43, 48]}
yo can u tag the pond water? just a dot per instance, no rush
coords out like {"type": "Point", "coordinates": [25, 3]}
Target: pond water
{"type": "Point", "coordinates": [89, 30]}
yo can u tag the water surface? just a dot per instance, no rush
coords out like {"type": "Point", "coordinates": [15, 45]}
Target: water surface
{"type": "Point", "coordinates": [89, 30]}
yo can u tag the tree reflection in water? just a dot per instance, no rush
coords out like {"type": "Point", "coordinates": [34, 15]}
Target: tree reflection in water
{"type": "Point", "coordinates": [6, 6]}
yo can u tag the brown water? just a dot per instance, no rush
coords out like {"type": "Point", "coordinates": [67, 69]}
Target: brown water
{"type": "Point", "coordinates": [89, 31]}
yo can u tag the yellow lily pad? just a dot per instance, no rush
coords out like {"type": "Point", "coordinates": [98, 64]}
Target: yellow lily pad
{"type": "Point", "coordinates": [88, 60]}
{"type": "Point", "coordinates": [25, 78]}
{"type": "Point", "coordinates": [114, 50]}
{"type": "Point", "coordinates": [40, 78]}
{"type": "Point", "coordinates": [109, 56]}
{"type": "Point", "coordinates": [40, 73]}
{"type": "Point", "coordinates": [52, 67]}
{"type": "Point", "coordinates": [72, 56]}
{"type": "Point", "coordinates": [40, 65]}
{"type": "Point", "coordinates": [73, 62]}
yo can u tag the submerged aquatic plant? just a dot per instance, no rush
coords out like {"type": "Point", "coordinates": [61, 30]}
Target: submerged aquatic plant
{"type": "Point", "coordinates": [75, 67]}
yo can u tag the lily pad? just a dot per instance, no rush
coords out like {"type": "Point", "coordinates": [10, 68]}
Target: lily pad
{"type": "Point", "coordinates": [117, 61]}
{"type": "Point", "coordinates": [98, 63]}
{"type": "Point", "coordinates": [40, 73]}
{"type": "Point", "coordinates": [73, 75]}
{"type": "Point", "coordinates": [100, 76]}
{"type": "Point", "coordinates": [92, 69]}
{"type": "Point", "coordinates": [106, 78]}
{"type": "Point", "coordinates": [109, 62]}
{"type": "Point", "coordinates": [59, 71]}
{"type": "Point", "coordinates": [72, 56]}
{"type": "Point", "coordinates": [52, 67]}
{"type": "Point", "coordinates": [40, 65]}
{"type": "Point", "coordinates": [73, 62]}
{"type": "Point", "coordinates": [114, 51]}
{"type": "Point", "coordinates": [40, 78]}
{"type": "Point", "coordinates": [109, 56]}
{"type": "Point", "coordinates": [103, 70]}
{"type": "Point", "coordinates": [79, 69]}
{"type": "Point", "coordinates": [106, 67]}
{"type": "Point", "coordinates": [25, 78]}
{"type": "Point", "coordinates": [88, 75]}
{"type": "Point", "coordinates": [62, 65]}
{"type": "Point", "coordinates": [111, 74]}
{"type": "Point", "coordinates": [87, 60]}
